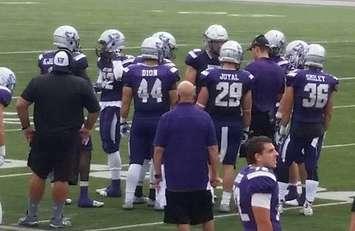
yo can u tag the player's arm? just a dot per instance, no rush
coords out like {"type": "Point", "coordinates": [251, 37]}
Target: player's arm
{"type": "Point", "coordinates": [260, 203]}
{"type": "Point", "coordinates": [22, 106]}
{"type": "Point", "coordinates": [214, 160]}
{"type": "Point", "coordinates": [202, 97]}
{"type": "Point", "coordinates": [246, 107]}
{"type": "Point", "coordinates": [287, 105]}
{"type": "Point", "coordinates": [190, 74]}
{"type": "Point", "coordinates": [328, 111]}
{"type": "Point", "coordinates": [157, 159]}
{"type": "Point", "coordinates": [127, 94]}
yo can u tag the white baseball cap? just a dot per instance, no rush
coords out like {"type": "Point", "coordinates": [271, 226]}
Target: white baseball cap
{"type": "Point", "coordinates": [61, 61]}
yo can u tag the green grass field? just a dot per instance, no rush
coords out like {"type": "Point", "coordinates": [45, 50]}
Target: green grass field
{"type": "Point", "coordinates": [26, 29]}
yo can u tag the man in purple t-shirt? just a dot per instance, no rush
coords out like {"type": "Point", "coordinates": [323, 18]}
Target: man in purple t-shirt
{"type": "Point", "coordinates": [186, 163]}
{"type": "Point", "coordinates": [267, 90]}
{"type": "Point", "coordinates": [256, 191]}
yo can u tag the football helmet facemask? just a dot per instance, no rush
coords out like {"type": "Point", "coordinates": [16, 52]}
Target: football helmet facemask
{"type": "Point", "coordinates": [214, 37]}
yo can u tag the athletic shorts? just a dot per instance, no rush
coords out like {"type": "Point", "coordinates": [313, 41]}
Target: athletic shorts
{"type": "Point", "coordinates": [54, 153]}
{"type": "Point", "coordinates": [194, 207]}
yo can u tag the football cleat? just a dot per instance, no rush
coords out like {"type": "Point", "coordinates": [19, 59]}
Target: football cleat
{"type": "Point", "coordinates": [68, 201]}
{"type": "Point", "coordinates": [88, 203]}
{"type": "Point", "coordinates": [28, 221]}
{"type": "Point", "coordinates": [139, 200]}
{"type": "Point", "coordinates": [109, 192]}
{"type": "Point", "coordinates": [280, 207]}
{"type": "Point", "coordinates": [307, 209]}
{"type": "Point", "coordinates": [60, 223]}
{"type": "Point", "coordinates": [128, 205]}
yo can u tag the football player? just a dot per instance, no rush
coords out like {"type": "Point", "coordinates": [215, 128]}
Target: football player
{"type": "Point", "coordinates": [67, 38]}
{"type": "Point", "coordinates": [309, 99]}
{"type": "Point", "coordinates": [152, 86]}
{"type": "Point", "coordinates": [169, 47]}
{"type": "Point", "coordinates": [7, 85]}
{"type": "Point", "coordinates": [198, 60]}
{"type": "Point", "coordinates": [110, 57]}
{"type": "Point", "coordinates": [288, 177]}
{"type": "Point", "coordinates": [226, 96]}
{"type": "Point", "coordinates": [277, 41]}
{"type": "Point", "coordinates": [256, 191]}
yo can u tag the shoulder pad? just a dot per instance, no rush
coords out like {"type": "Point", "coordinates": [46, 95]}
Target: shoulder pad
{"type": "Point", "coordinates": [173, 70]}
{"type": "Point", "coordinates": [194, 53]}
{"type": "Point", "coordinates": [261, 172]}
{"type": "Point", "coordinates": [205, 72]}
{"type": "Point", "coordinates": [292, 73]}
{"type": "Point", "coordinates": [79, 56]}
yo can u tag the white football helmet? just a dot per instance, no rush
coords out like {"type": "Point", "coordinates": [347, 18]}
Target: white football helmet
{"type": "Point", "coordinates": [214, 37]}
{"type": "Point", "coordinates": [110, 41]}
{"type": "Point", "coordinates": [231, 51]}
{"type": "Point", "coordinates": [66, 37]}
{"type": "Point", "coordinates": [277, 41]}
{"type": "Point", "coordinates": [295, 53]}
{"type": "Point", "coordinates": [169, 43]}
{"type": "Point", "coordinates": [315, 55]}
{"type": "Point", "coordinates": [152, 48]}
{"type": "Point", "coordinates": [7, 78]}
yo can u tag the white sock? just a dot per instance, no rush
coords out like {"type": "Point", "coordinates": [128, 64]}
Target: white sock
{"type": "Point", "coordinates": [160, 194]}
{"type": "Point", "coordinates": [144, 170]}
{"type": "Point", "coordinates": [209, 187]}
{"type": "Point", "coordinates": [226, 198]}
{"type": "Point", "coordinates": [282, 190]}
{"type": "Point", "coordinates": [151, 176]}
{"type": "Point", "coordinates": [311, 190]}
{"type": "Point", "coordinates": [132, 181]}
{"type": "Point", "coordinates": [114, 164]}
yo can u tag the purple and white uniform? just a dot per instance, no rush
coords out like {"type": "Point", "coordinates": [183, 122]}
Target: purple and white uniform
{"type": "Point", "coordinates": [226, 89]}
{"type": "Point", "coordinates": [110, 83]}
{"type": "Point", "coordinates": [257, 187]}
{"type": "Point", "coordinates": [312, 90]}
{"type": "Point", "coordinates": [150, 86]}
{"type": "Point", "coordinates": [200, 60]}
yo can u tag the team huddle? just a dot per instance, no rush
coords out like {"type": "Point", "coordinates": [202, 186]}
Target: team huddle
{"type": "Point", "coordinates": [275, 112]}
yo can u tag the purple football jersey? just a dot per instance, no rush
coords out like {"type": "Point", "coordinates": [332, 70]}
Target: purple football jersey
{"type": "Point", "coordinates": [200, 60]}
{"type": "Point", "coordinates": [282, 62]}
{"type": "Point", "coordinates": [78, 65]}
{"type": "Point", "coordinates": [226, 88]}
{"type": "Point", "coordinates": [268, 84]}
{"type": "Point", "coordinates": [251, 180]}
{"type": "Point", "coordinates": [5, 96]}
{"type": "Point", "coordinates": [312, 89]}
{"type": "Point", "coordinates": [151, 86]}
{"type": "Point", "coordinates": [111, 85]}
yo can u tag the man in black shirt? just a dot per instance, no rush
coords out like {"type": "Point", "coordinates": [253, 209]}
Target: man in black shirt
{"type": "Point", "coordinates": [59, 99]}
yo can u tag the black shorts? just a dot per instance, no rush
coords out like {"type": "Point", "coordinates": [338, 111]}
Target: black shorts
{"type": "Point", "coordinates": [54, 153]}
{"type": "Point", "coordinates": [262, 124]}
{"type": "Point", "coordinates": [192, 208]}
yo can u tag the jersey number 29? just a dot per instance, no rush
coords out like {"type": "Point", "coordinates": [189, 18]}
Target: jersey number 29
{"type": "Point", "coordinates": [229, 94]}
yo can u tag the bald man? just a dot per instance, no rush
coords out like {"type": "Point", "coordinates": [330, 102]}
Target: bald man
{"type": "Point", "coordinates": [188, 202]}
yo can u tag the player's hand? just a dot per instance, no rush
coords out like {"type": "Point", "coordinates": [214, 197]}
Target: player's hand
{"type": "Point", "coordinates": [125, 129]}
{"type": "Point", "coordinates": [158, 178]}
{"type": "Point", "coordinates": [216, 181]}
{"type": "Point", "coordinates": [244, 135]}
{"type": "Point", "coordinates": [84, 135]}
{"type": "Point", "coordinates": [28, 133]}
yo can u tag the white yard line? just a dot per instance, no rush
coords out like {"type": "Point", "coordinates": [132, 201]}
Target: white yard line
{"type": "Point", "coordinates": [217, 217]}
{"type": "Point", "coordinates": [16, 174]}
{"type": "Point", "coordinates": [17, 228]}
{"type": "Point", "coordinates": [19, 3]}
